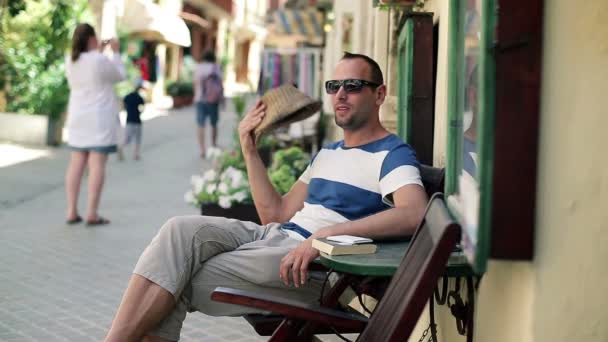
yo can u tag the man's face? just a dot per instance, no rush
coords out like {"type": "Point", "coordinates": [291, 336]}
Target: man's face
{"type": "Point", "coordinates": [353, 110]}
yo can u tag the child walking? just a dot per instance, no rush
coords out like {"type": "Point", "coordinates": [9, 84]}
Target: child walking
{"type": "Point", "coordinates": [133, 103]}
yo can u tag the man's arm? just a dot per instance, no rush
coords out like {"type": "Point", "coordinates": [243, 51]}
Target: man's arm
{"type": "Point", "coordinates": [271, 207]}
{"type": "Point", "coordinates": [401, 221]}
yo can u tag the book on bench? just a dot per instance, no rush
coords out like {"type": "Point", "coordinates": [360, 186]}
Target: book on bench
{"type": "Point", "coordinates": [344, 244]}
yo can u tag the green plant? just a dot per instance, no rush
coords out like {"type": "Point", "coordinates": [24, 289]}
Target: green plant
{"type": "Point", "coordinates": [239, 105]}
{"type": "Point", "coordinates": [282, 178]}
{"type": "Point", "coordinates": [232, 158]}
{"type": "Point", "coordinates": [287, 165]}
{"type": "Point", "coordinates": [180, 88]}
{"type": "Point", "coordinates": [34, 38]}
{"type": "Point", "coordinates": [268, 142]}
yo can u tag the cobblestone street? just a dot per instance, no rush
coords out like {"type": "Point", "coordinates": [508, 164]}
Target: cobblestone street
{"type": "Point", "coordinates": [64, 283]}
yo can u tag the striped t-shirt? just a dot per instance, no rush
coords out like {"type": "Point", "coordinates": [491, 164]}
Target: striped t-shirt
{"type": "Point", "coordinates": [349, 183]}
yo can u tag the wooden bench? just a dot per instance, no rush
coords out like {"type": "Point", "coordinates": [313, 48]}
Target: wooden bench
{"type": "Point", "coordinates": [397, 312]}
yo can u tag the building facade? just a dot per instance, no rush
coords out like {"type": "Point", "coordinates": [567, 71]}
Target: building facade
{"type": "Point", "coordinates": [555, 294]}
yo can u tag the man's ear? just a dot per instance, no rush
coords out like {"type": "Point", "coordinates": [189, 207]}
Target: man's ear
{"type": "Point", "coordinates": [380, 95]}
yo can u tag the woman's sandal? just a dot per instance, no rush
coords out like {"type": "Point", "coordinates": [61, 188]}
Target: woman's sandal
{"type": "Point", "coordinates": [75, 220]}
{"type": "Point", "coordinates": [98, 222]}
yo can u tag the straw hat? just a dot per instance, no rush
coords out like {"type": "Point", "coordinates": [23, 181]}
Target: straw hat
{"type": "Point", "coordinates": [285, 105]}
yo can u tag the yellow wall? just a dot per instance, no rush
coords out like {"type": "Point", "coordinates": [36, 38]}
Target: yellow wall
{"type": "Point", "coordinates": [571, 275]}
{"type": "Point", "coordinates": [561, 294]}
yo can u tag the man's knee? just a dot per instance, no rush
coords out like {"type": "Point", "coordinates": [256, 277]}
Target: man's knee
{"type": "Point", "coordinates": [179, 230]}
{"type": "Point", "coordinates": [189, 224]}
{"type": "Point", "coordinates": [174, 225]}
{"type": "Point", "coordinates": [183, 230]}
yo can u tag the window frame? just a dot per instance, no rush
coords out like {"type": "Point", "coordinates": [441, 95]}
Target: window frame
{"type": "Point", "coordinates": [476, 248]}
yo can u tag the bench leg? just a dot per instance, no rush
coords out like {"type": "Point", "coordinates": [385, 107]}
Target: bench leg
{"type": "Point", "coordinates": [288, 331]}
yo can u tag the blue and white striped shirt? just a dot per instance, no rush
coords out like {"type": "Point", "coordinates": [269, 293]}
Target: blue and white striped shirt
{"type": "Point", "coordinates": [349, 183]}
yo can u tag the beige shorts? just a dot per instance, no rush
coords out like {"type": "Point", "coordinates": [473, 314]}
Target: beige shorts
{"type": "Point", "coordinates": [192, 255]}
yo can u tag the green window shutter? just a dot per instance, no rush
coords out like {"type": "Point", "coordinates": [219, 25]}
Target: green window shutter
{"type": "Point", "coordinates": [405, 80]}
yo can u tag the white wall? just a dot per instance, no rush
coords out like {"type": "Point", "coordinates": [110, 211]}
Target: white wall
{"type": "Point", "coordinates": [32, 128]}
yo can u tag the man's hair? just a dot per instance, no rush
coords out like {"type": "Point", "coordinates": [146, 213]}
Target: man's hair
{"type": "Point", "coordinates": [209, 56]}
{"type": "Point", "coordinates": [376, 73]}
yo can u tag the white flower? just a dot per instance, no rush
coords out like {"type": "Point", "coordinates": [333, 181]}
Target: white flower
{"type": "Point", "coordinates": [237, 179]}
{"type": "Point", "coordinates": [194, 179]}
{"type": "Point", "coordinates": [189, 197]}
{"type": "Point", "coordinates": [197, 183]}
{"type": "Point", "coordinates": [227, 172]}
{"type": "Point", "coordinates": [223, 188]}
{"type": "Point", "coordinates": [213, 153]}
{"type": "Point", "coordinates": [211, 188]}
{"type": "Point", "coordinates": [225, 202]}
{"type": "Point", "coordinates": [239, 196]}
{"type": "Point", "coordinates": [209, 175]}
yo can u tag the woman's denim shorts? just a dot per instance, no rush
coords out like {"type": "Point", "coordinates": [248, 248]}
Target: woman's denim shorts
{"type": "Point", "coordinates": [99, 149]}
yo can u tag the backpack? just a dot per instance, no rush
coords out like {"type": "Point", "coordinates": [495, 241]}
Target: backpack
{"type": "Point", "coordinates": [213, 91]}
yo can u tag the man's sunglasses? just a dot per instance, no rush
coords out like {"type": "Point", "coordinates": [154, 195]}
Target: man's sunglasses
{"type": "Point", "coordinates": [350, 85]}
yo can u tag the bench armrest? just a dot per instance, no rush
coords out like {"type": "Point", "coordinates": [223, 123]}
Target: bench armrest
{"type": "Point", "coordinates": [291, 308]}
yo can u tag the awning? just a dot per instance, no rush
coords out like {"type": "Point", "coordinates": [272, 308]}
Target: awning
{"type": "Point", "coordinates": [196, 20]}
{"type": "Point", "coordinates": [146, 20]}
{"type": "Point", "coordinates": [307, 23]}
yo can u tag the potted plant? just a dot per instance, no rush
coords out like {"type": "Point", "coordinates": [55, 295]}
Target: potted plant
{"type": "Point", "coordinates": [224, 189]}
{"type": "Point", "coordinates": [181, 92]}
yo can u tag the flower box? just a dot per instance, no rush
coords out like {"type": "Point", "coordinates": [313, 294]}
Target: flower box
{"type": "Point", "coordinates": [239, 211]}
{"type": "Point", "coordinates": [182, 100]}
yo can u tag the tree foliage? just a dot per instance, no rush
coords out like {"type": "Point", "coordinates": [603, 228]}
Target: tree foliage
{"type": "Point", "coordinates": [34, 38]}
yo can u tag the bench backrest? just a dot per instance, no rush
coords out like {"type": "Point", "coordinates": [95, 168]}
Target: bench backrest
{"type": "Point", "coordinates": [433, 179]}
{"type": "Point", "coordinates": [412, 285]}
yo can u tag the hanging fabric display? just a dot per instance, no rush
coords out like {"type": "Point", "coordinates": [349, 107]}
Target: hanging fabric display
{"type": "Point", "coordinates": [299, 67]}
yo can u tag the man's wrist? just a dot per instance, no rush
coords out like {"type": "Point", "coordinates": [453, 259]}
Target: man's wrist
{"type": "Point", "coordinates": [250, 154]}
{"type": "Point", "coordinates": [322, 233]}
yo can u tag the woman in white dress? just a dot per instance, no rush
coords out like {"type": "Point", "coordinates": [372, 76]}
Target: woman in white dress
{"type": "Point", "coordinates": [92, 117]}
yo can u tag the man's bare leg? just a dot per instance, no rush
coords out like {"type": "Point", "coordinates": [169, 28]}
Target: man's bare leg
{"type": "Point", "coordinates": [214, 136]}
{"type": "Point", "coordinates": [200, 135]}
{"type": "Point", "coordinates": [136, 149]}
{"type": "Point", "coordinates": [143, 306]}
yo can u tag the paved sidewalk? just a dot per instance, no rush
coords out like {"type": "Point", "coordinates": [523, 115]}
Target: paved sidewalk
{"type": "Point", "coordinates": [64, 283]}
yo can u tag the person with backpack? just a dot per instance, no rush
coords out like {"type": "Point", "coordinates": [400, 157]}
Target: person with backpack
{"type": "Point", "coordinates": [208, 94]}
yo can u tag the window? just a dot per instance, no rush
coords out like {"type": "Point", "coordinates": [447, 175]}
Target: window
{"type": "Point", "coordinates": [470, 133]}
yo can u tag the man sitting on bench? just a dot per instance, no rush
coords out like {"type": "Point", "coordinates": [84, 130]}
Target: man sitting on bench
{"type": "Point", "coordinates": [365, 185]}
